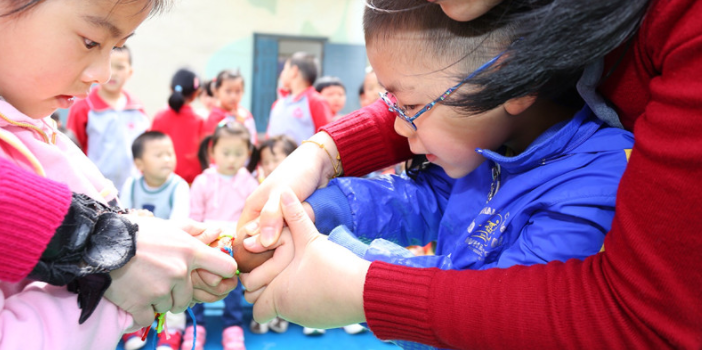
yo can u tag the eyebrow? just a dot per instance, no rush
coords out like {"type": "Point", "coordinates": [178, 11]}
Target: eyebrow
{"type": "Point", "coordinates": [394, 88]}
{"type": "Point", "coordinates": [104, 23]}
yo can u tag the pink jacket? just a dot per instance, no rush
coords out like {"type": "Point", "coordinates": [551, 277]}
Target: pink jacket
{"type": "Point", "coordinates": [215, 198]}
{"type": "Point", "coordinates": [36, 145]}
{"type": "Point", "coordinates": [34, 315]}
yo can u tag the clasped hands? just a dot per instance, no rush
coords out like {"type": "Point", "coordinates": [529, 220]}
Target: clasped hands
{"type": "Point", "coordinates": [174, 267]}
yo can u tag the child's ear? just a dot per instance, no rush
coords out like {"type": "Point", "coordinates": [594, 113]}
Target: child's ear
{"type": "Point", "coordinates": [518, 105]}
{"type": "Point", "coordinates": [139, 163]}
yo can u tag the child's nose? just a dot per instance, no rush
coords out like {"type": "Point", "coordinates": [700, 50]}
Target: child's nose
{"type": "Point", "coordinates": [99, 70]}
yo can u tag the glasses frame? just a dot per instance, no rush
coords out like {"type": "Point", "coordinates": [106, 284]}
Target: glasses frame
{"type": "Point", "coordinates": [392, 106]}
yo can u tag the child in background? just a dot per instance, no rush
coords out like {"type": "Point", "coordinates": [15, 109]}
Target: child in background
{"type": "Point", "coordinates": [206, 101]}
{"type": "Point", "coordinates": [334, 92]}
{"type": "Point", "coordinates": [302, 110]}
{"type": "Point", "coordinates": [228, 89]}
{"type": "Point", "coordinates": [218, 195]}
{"type": "Point", "coordinates": [158, 189]}
{"type": "Point", "coordinates": [272, 152]}
{"type": "Point", "coordinates": [109, 119]}
{"type": "Point", "coordinates": [530, 181]}
{"type": "Point", "coordinates": [182, 124]}
{"type": "Point", "coordinates": [370, 90]}
{"type": "Point", "coordinates": [167, 196]}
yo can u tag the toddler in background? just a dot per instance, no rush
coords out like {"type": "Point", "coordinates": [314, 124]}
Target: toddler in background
{"type": "Point", "coordinates": [334, 92]}
{"type": "Point", "coordinates": [182, 124]}
{"type": "Point", "coordinates": [301, 110]}
{"type": "Point", "coordinates": [167, 196]}
{"type": "Point", "coordinates": [109, 119]}
{"type": "Point", "coordinates": [205, 100]}
{"type": "Point", "coordinates": [158, 189]}
{"type": "Point", "coordinates": [218, 195]}
{"type": "Point", "coordinates": [228, 89]}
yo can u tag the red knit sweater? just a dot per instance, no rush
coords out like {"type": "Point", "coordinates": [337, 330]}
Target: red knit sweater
{"type": "Point", "coordinates": [644, 291]}
{"type": "Point", "coordinates": [32, 209]}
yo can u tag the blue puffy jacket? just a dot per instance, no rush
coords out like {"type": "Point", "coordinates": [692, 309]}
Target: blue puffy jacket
{"type": "Point", "coordinates": [555, 201]}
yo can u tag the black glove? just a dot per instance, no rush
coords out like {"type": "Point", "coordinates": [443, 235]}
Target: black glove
{"type": "Point", "coordinates": [93, 240]}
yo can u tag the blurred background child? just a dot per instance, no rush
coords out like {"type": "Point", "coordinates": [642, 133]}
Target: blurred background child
{"type": "Point", "coordinates": [302, 110]}
{"type": "Point", "coordinates": [158, 189]}
{"type": "Point", "coordinates": [228, 89]}
{"type": "Point", "coordinates": [334, 92]}
{"type": "Point", "coordinates": [371, 89]}
{"type": "Point", "coordinates": [218, 195]}
{"type": "Point", "coordinates": [108, 120]}
{"type": "Point", "coordinates": [206, 100]}
{"type": "Point", "coordinates": [182, 124]}
{"type": "Point", "coordinates": [273, 151]}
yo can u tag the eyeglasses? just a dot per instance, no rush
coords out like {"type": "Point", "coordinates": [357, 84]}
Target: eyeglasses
{"type": "Point", "coordinates": [391, 101]}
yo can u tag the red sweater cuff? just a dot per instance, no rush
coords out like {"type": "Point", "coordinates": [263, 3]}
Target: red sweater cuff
{"type": "Point", "coordinates": [407, 316]}
{"type": "Point", "coordinates": [367, 141]}
{"type": "Point", "coordinates": [33, 208]}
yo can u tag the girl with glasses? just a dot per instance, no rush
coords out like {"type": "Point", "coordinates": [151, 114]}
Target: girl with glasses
{"type": "Point", "coordinates": [530, 181]}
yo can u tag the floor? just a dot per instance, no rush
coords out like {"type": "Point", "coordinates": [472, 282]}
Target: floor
{"type": "Point", "coordinates": [293, 339]}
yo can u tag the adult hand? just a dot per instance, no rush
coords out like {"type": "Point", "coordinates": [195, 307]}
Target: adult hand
{"type": "Point", "coordinates": [307, 277]}
{"type": "Point", "coordinates": [306, 169]}
{"type": "Point", "coordinates": [159, 277]}
{"type": "Point", "coordinates": [208, 287]}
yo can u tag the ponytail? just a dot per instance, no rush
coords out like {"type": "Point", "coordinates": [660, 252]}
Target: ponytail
{"type": "Point", "coordinates": [177, 100]}
{"type": "Point", "coordinates": [185, 85]}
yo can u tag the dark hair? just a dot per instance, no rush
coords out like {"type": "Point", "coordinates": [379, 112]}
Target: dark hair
{"type": "Point", "coordinates": [287, 144]}
{"type": "Point", "coordinates": [464, 46]}
{"type": "Point", "coordinates": [126, 49]}
{"type": "Point", "coordinates": [327, 81]}
{"type": "Point", "coordinates": [557, 39]}
{"type": "Point", "coordinates": [232, 128]}
{"type": "Point", "coordinates": [141, 140]}
{"type": "Point", "coordinates": [185, 84]}
{"type": "Point", "coordinates": [24, 5]}
{"type": "Point", "coordinates": [207, 88]}
{"type": "Point", "coordinates": [226, 75]}
{"type": "Point", "coordinates": [307, 64]}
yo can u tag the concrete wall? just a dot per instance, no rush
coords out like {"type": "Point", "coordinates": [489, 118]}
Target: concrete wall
{"type": "Point", "coordinates": [210, 35]}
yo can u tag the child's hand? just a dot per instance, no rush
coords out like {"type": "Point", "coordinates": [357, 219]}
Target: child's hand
{"type": "Point", "coordinates": [159, 277]}
{"type": "Point", "coordinates": [303, 171]}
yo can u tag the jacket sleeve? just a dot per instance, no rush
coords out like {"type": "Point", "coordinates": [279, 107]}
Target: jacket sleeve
{"type": "Point", "coordinates": [320, 111]}
{"type": "Point", "coordinates": [197, 199]}
{"type": "Point", "coordinates": [78, 123]}
{"type": "Point", "coordinates": [45, 317]}
{"type": "Point", "coordinates": [32, 209]}
{"type": "Point", "coordinates": [367, 141]}
{"type": "Point", "coordinates": [643, 291]}
{"type": "Point", "coordinates": [395, 208]}
{"type": "Point", "coordinates": [383, 250]}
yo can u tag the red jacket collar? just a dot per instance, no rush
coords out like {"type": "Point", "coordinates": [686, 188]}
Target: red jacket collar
{"type": "Point", "coordinates": [99, 105]}
{"type": "Point", "coordinates": [286, 93]}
